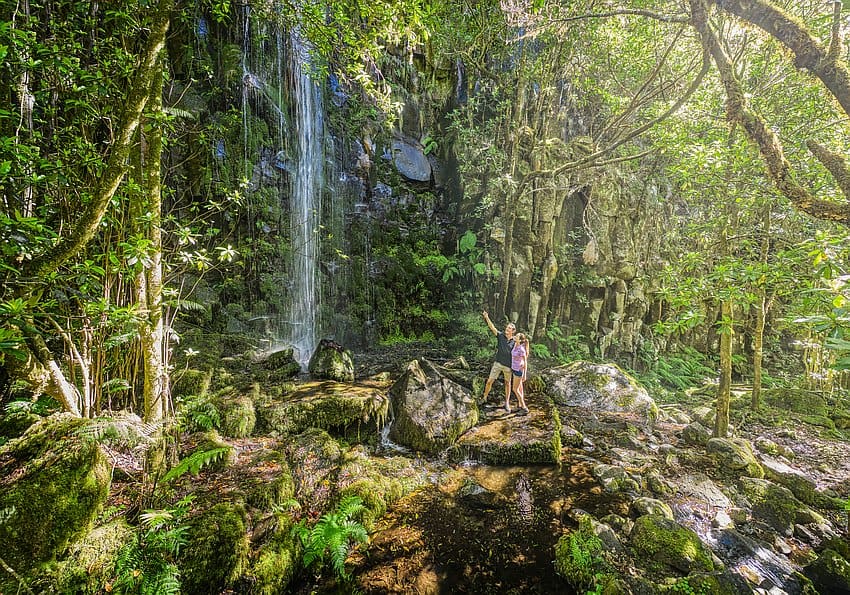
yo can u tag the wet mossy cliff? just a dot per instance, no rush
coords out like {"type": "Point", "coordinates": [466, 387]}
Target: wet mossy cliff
{"type": "Point", "coordinates": [418, 226]}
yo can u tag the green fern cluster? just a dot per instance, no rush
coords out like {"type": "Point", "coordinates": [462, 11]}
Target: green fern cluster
{"type": "Point", "coordinates": [147, 565]}
{"type": "Point", "coordinates": [330, 540]}
{"type": "Point", "coordinates": [198, 414]}
{"type": "Point", "coordinates": [578, 558]}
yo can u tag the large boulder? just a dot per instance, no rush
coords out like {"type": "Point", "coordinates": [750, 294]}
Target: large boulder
{"type": "Point", "coordinates": [331, 361]}
{"type": "Point", "coordinates": [410, 160]}
{"type": "Point", "coordinates": [430, 410]}
{"type": "Point", "coordinates": [53, 483]}
{"type": "Point", "coordinates": [663, 540]}
{"type": "Point", "coordinates": [735, 456]}
{"type": "Point", "coordinates": [830, 573]}
{"type": "Point", "coordinates": [774, 504]}
{"type": "Point", "coordinates": [602, 387]}
{"type": "Point", "coordinates": [217, 551]}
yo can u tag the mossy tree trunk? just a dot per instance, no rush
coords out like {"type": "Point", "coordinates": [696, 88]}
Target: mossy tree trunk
{"type": "Point", "coordinates": [721, 421]}
{"type": "Point", "coordinates": [42, 365]}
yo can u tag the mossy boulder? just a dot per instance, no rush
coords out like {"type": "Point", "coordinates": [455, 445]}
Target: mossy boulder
{"type": "Point", "coordinates": [379, 482]}
{"type": "Point", "coordinates": [53, 483]}
{"type": "Point", "coordinates": [774, 504]}
{"type": "Point", "coordinates": [90, 562]}
{"type": "Point", "coordinates": [314, 457]}
{"type": "Point", "coordinates": [431, 410]}
{"type": "Point", "coordinates": [802, 486]}
{"type": "Point", "coordinates": [798, 400]}
{"type": "Point", "coordinates": [533, 439]}
{"type": "Point", "coordinates": [601, 387]}
{"type": "Point", "coordinates": [830, 573]}
{"type": "Point", "coordinates": [331, 361]}
{"type": "Point", "coordinates": [665, 541]}
{"type": "Point", "coordinates": [273, 485]}
{"type": "Point", "coordinates": [696, 434]}
{"type": "Point", "coordinates": [735, 457]}
{"type": "Point", "coordinates": [191, 382]}
{"type": "Point", "coordinates": [325, 405]}
{"type": "Point", "coordinates": [277, 560]}
{"type": "Point", "coordinates": [15, 423]}
{"type": "Point", "coordinates": [580, 559]}
{"type": "Point", "coordinates": [280, 365]}
{"type": "Point", "coordinates": [643, 506]}
{"type": "Point", "coordinates": [615, 479]}
{"type": "Point", "coordinates": [216, 554]}
{"type": "Point", "coordinates": [238, 416]}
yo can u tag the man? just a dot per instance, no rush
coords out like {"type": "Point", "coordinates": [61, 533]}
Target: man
{"type": "Point", "coordinates": [502, 365]}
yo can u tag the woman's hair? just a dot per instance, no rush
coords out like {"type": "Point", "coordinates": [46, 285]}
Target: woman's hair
{"type": "Point", "coordinates": [521, 338]}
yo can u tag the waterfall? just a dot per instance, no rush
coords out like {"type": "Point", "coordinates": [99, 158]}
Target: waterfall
{"type": "Point", "coordinates": [305, 204]}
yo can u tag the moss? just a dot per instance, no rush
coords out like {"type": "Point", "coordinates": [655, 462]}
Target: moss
{"type": "Point", "coordinates": [265, 494]}
{"type": "Point", "coordinates": [14, 424]}
{"type": "Point", "coordinates": [90, 562]}
{"type": "Point", "coordinates": [277, 561]}
{"type": "Point", "coordinates": [238, 417]}
{"type": "Point", "coordinates": [556, 434]}
{"type": "Point", "coordinates": [210, 440]}
{"type": "Point", "coordinates": [379, 482]}
{"type": "Point", "coordinates": [797, 400]}
{"type": "Point", "coordinates": [191, 383]}
{"type": "Point", "coordinates": [775, 504]}
{"type": "Point", "coordinates": [216, 554]}
{"type": "Point", "coordinates": [53, 484]}
{"type": "Point", "coordinates": [331, 363]}
{"type": "Point", "coordinates": [578, 558]}
{"type": "Point", "coordinates": [665, 541]}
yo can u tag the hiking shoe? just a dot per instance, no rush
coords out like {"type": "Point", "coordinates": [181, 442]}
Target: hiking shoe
{"type": "Point", "coordinates": [522, 411]}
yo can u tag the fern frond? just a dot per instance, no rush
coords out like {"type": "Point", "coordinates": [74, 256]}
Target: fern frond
{"type": "Point", "coordinates": [195, 462]}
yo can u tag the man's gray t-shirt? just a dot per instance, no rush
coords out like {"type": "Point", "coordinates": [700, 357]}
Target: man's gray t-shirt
{"type": "Point", "coordinates": [503, 349]}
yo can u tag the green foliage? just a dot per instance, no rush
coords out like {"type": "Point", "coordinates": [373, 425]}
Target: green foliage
{"type": "Point", "coordinates": [147, 565]}
{"type": "Point", "coordinates": [577, 558]}
{"type": "Point", "coordinates": [684, 587]}
{"type": "Point", "coordinates": [568, 348]}
{"type": "Point", "coordinates": [332, 537]}
{"type": "Point", "coordinates": [198, 413]}
{"type": "Point", "coordinates": [684, 369]}
{"type": "Point", "coordinates": [195, 462]}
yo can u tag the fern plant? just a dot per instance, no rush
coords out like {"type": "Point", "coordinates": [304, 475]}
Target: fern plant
{"type": "Point", "coordinates": [195, 462]}
{"type": "Point", "coordinates": [198, 414]}
{"type": "Point", "coordinates": [147, 564]}
{"type": "Point", "coordinates": [330, 540]}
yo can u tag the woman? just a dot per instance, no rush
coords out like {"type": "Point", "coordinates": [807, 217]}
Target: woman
{"type": "Point", "coordinates": [519, 369]}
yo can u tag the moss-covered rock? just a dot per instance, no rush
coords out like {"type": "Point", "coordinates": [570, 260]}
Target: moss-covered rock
{"type": "Point", "coordinates": [325, 405]}
{"type": "Point", "coordinates": [280, 365]}
{"type": "Point", "coordinates": [603, 387]}
{"type": "Point", "coordinates": [615, 479]}
{"type": "Point", "coordinates": [774, 504]}
{"type": "Point", "coordinates": [431, 410]}
{"type": "Point", "coordinates": [331, 361]}
{"type": "Point", "coordinates": [379, 482]}
{"type": "Point", "coordinates": [53, 483]}
{"type": "Point", "coordinates": [830, 573]}
{"type": "Point", "coordinates": [191, 382]}
{"type": "Point", "coordinates": [216, 554]}
{"type": "Point", "coordinates": [238, 416]}
{"type": "Point", "coordinates": [798, 400]}
{"type": "Point", "coordinates": [314, 457]}
{"type": "Point", "coordinates": [15, 423]}
{"type": "Point", "coordinates": [277, 561]}
{"type": "Point", "coordinates": [90, 562]}
{"type": "Point", "coordinates": [269, 489]}
{"type": "Point", "coordinates": [735, 457]}
{"type": "Point", "coordinates": [643, 506]}
{"type": "Point", "coordinates": [663, 540]}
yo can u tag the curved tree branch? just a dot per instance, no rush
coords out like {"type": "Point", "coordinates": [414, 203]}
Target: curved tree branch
{"type": "Point", "coordinates": [809, 53]}
{"type": "Point", "coordinates": [758, 131]}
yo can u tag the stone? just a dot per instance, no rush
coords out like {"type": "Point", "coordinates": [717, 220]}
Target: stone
{"type": "Point", "coordinates": [280, 365]}
{"type": "Point", "coordinates": [410, 160]}
{"type": "Point", "coordinates": [696, 434]}
{"type": "Point", "coordinates": [734, 456]}
{"type": "Point", "coordinates": [772, 503]}
{"type": "Point", "coordinates": [331, 361]}
{"type": "Point", "coordinates": [53, 484]}
{"type": "Point", "coordinates": [217, 552]}
{"type": "Point", "coordinates": [666, 541]}
{"type": "Point", "coordinates": [830, 573]}
{"type": "Point", "coordinates": [802, 486]}
{"type": "Point", "coordinates": [740, 551]}
{"type": "Point", "coordinates": [238, 416]}
{"type": "Point", "coordinates": [601, 387]}
{"type": "Point", "coordinates": [722, 520]}
{"type": "Point", "coordinates": [430, 410]}
{"type": "Point", "coordinates": [615, 479]}
{"type": "Point", "coordinates": [643, 505]}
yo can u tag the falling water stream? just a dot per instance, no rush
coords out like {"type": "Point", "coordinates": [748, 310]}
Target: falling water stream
{"type": "Point", "coordinates": [305, 204]}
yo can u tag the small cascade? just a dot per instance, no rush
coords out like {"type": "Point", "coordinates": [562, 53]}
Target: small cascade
{"type": "Point", "coordinates": [305, 204]}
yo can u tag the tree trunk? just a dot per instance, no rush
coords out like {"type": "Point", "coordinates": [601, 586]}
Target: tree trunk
{"type": "Point", "coordinates": [149, 279]}
{"type": "Point", "coordinates": [724, 389]}
{"type": "Point", "coordinates": [761, 316]}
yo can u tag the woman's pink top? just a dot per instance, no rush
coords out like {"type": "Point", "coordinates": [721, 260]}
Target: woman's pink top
{"type": "Point", "coordinates": [518, 357]}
